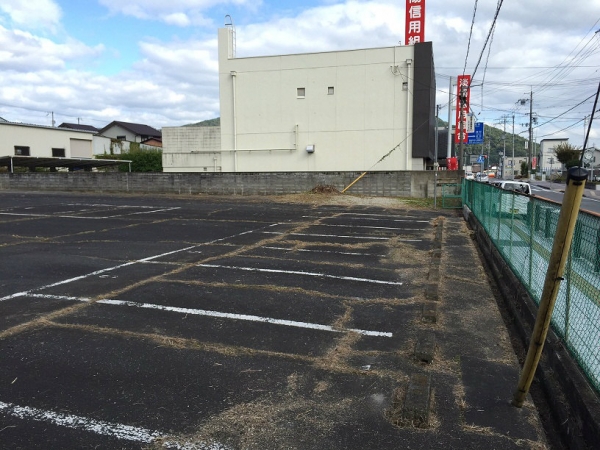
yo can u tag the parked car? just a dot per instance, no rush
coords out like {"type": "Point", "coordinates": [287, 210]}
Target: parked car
{"type": "Point", "coordinates": [483, 177]}
{"type": "Point", "coordinates": [515, 204]}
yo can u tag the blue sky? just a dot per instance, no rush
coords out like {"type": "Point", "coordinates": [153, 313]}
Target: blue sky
{"type": "Point", "coordinates": [155, 61]}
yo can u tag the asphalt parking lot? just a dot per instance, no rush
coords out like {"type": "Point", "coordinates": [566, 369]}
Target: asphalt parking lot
{"type": "Point", "coordinates": [242, 323]}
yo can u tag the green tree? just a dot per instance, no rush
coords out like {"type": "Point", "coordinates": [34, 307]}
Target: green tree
{"type": "Point", "coordinates": [524, 169]}
{"type": "Point", "coordinates": [567, 154]}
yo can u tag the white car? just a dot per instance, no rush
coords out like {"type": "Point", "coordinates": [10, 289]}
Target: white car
{"type": "Point", "coordinates": [482, 177]}
{"type": "Point", "coordinates": [512, 204]}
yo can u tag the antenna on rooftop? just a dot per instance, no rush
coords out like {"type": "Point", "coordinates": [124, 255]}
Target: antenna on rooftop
{"type": "Point", "coordinates": [229, 24]}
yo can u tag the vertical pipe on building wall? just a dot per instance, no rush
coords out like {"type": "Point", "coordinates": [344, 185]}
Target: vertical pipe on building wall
{"type": "Point", "coordinates": [11, 165]}
{"type": "Point", "coordinates": [408, 130]}
{"type": "Point", "coordinates": [296, 137]}
{"type": "Point", "coordinates": [233, 79]}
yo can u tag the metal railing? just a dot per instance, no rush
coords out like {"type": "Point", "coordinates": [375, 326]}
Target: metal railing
{"type": "Point", "coordinates": [522, 228]}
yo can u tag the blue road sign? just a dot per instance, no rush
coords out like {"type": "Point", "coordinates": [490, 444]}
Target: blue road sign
{"type": "Point", "coordinates": [477, 136]}
{"type": "Point", "coordinates": [480, 159]}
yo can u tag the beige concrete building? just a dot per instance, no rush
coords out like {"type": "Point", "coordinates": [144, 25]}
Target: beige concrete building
{"type": "Point", "coordinates": [547, 161]}
{"type": "Point", "coordinates": [35, 140]}
{"type": "Point", "coordinates": [36, 146]}
{"type": "Point", "coordinates": [355, 110]}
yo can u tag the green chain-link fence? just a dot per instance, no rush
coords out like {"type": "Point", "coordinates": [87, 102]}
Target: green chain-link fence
{"type": "Point", "coordinates": [522, 229]}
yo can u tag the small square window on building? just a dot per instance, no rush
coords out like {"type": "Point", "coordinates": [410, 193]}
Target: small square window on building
{"type": "Point", "coordinates": [21, 150]}
{"type": "Point", "coordinates": [58, 152]}
{"type": "Point", "coordinates": [301, 92]}
{"type": "Point", "coordinates": [330, 90]}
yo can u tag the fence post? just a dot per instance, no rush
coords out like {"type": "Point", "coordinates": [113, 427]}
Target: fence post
{"type": "Point", "coordinates": [577, 240]}
{"type": "Point", "coordinates": [568, 299]}
{"type": "Point", "coordinates": [548, 223]}
{"type": "Point", "coordinates": [597, 258]}
{"type": "Point", "coordinates": [556, 265]}
{"type": "Point", "coordinates": [538, 217]}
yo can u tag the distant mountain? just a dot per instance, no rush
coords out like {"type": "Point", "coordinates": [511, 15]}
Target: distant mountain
{"type": "Point", "coordinates": [206, 123]}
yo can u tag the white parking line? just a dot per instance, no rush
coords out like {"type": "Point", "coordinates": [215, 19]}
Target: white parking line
{"type": "Point", "coordinates": [323, 251]}
{"type": "Point", "coordinates": [220, 315]}
{"type": "Point", "coordinates": [309, 274]}
{"type": "Point", "coordinates": [330, 235]}
{"type": "Point", "coordinates": [115, 430]}
{"type": "Point", "coordinates": [370, 227]}
{"type": "Point", "coordinates": [374, 217]}
{"type": "Point", "coordinates": [108, 269]}
{"type": "Point", "coordinates": [64, 216]}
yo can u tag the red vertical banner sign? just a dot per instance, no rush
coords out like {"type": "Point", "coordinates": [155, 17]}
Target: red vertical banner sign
{"type": "Point", "coordinates": [414, 30]}
{"type": "Point", "coordinates": [463, 95]}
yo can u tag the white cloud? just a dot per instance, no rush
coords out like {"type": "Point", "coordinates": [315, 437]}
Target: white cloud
{"type": "Point", "coordinates": [173, 12]}
{"type": "Point", "coordinates": [33, 14]}
{"type": "Point", "coordinates": [327, 28]}
{"type": "Point", "coordinates": [22, 51]}
{"type": "Point", "coordinates": [178, 19]}
{"type": "Point", "coordinates": [176, 82]}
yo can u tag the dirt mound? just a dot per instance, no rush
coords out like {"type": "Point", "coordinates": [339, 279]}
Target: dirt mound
{"type": "Point", "coordinates": [324, 189]}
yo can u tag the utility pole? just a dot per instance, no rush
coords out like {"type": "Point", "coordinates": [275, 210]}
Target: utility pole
{"type": "Point", "coordinates": [449, 147]}
{"type": "Point", "coordinates": [435, 161]}
{"type": "Point", "coordinates": [522, 101]}
{"type": "Point", "coordinates": [530, 133]}
{"type": "Point", "coordinates": [513, 147]}
{"type": "Point", "coordinates": [503, 159]}
{"type": "Point", "coordinates": [504, 149]}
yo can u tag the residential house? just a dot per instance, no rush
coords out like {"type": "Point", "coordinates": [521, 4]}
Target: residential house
{"type": "Point", "coordinates": [33, 146]}
{"type": "Point", "coordinates": [132, 132]}
{"type": "Point", "coordinates": [77, 126]}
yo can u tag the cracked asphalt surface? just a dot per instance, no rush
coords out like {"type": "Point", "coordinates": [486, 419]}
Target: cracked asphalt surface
{"type": "Point", "coordinates": [242, 323]}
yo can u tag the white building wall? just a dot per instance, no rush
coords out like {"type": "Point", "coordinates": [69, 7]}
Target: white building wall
{"type": "Point", "coordinates": [41, 140]}
{"type": "Point", "coordinates": [548, 162]}
{"type": "Point", "coordinates": [191, 149]}
{"type": "Point", "coordinates": [101, 145]}
{"type": "Point", "coordinates": [115, 131]}
{"type": "Point", "coordinates": [266, 127]}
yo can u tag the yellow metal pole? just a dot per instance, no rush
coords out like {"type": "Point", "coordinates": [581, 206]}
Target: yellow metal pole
{"type": "Point", "coordinates": [560, 252]}
{"type": "Point", "coordinates": [354, 182]}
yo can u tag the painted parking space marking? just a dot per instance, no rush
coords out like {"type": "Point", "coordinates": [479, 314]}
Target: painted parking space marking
{"type": "Point", "coordinates": [369, 227]}
{"type": "Point", "coordinates": [219, 315]}
{"type": "Point", "coordinates": [111, 429]}
{"type": "Point", "coordinates": [91, 274]}
{"type": "Point", "coordinates": [376, 238]}
{"type": "Point", "coordinates": [297, 272]}
{"type": "Point", "coordinates": [66, 216]}
{"type": "Point", "coordinates": [119, 266]}
{"type": "Point", "coordinates": [375, 217]}
{"type": "Point", "coordinates": [291, 249]}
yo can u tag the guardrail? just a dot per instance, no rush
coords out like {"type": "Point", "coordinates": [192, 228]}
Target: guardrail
{"type": "Point", "coordinates": [522, 228]}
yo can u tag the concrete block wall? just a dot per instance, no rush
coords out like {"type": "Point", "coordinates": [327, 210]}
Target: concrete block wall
{"type": "Point", "coordinates": [418, 184]}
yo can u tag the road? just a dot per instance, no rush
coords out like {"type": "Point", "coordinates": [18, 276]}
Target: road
{"type": "Point", "coordinates": [555, 192]}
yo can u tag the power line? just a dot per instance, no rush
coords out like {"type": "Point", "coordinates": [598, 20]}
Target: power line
{"type": "Point", "coordinates": [488, 37]}
{"type": "Point", "coordinates": [470, 36]}
{"type": "Point", "coordinates": [568, 110]}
